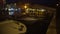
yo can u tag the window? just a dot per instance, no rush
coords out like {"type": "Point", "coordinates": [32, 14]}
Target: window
{"type": "Point", "coordinates": [11, 11]}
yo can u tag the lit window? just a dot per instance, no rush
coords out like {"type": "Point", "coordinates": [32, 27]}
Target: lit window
{"type": "Point", "coordinates": [11, 11]}
{"type": "Point", "coordinates": [42, 10]}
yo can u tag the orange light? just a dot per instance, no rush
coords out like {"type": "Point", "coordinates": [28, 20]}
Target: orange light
{"type": "Point", "coordinates": [25, 6]}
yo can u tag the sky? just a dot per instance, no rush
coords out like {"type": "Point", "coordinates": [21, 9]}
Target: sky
{"type": "Point", "coordinates": [43, 2]}
{"type": "Point", "coordinates": [35, 1]}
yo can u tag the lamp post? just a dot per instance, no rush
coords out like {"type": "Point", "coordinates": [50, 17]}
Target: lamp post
{"type": "Point", "coordinates": [26, 6]}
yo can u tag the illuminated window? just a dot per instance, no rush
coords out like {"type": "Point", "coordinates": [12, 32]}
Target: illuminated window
{"type": "Point", "coordinates": [11, 11]}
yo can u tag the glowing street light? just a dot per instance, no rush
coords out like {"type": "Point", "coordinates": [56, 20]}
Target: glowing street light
{"type": "Point", "coordinates": [25, 6]}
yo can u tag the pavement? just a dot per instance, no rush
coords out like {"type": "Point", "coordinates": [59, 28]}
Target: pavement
{"type": "Point", "coordinates": [52, 27]}
{"type": "Point", "coordinates": [10, 27]}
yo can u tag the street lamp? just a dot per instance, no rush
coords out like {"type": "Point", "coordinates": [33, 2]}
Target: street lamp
{"type": "Point", "coordinates": [25, 6]}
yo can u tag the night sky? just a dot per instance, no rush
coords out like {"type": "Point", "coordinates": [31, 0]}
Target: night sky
{"type": "Point", "coordinates": [42, 2]}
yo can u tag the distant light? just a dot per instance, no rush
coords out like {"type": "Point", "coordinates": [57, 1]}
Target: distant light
{"type": "Point", "coordinates": [16, 9]}
{"type": "Point", "coordinates": [25, 6]}
{"type": "Point", "coordinates": [31, 9]}
{"type": "Point", "coordinates": [15, 4]}
{"type": "Point", "coordinates": [57, 4]}
{"type": "Point", "coordinates": [19, 8]}
{"type": "Point", "coordinates": [5, 8]}
{"type": "Point", "coordinates": [10, 9]}
{"type": "Point", "coordinates": [11, 13]}
{"type": "Point", "coordinates": [24, 13]}
{"type": "Point", "coordinates": [42, 10]}
{"type": "Point", "coordinates": [27, 10]}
